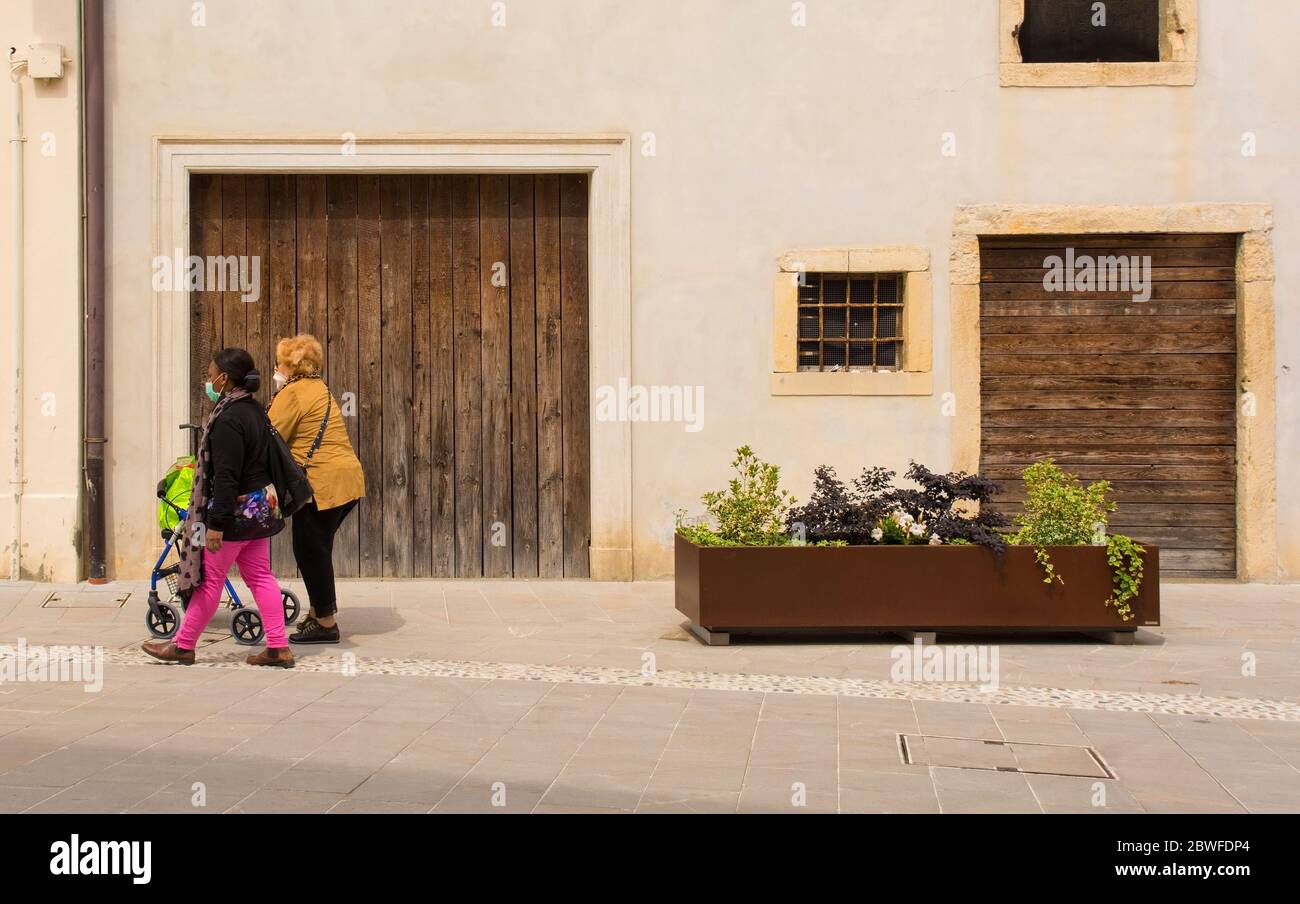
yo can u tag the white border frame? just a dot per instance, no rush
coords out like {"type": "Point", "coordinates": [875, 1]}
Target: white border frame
{"type": "Point", "coordinates": [606, 157]}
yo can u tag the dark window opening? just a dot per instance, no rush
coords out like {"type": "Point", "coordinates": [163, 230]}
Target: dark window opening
{"type": "Point", "coordinates": [1070, 31]}
{"type": "Point", "coordinates": [850, 321]}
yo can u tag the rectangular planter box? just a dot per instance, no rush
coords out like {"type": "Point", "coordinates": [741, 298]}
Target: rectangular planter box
{"type": "Point", "coordinates": [726, 590]}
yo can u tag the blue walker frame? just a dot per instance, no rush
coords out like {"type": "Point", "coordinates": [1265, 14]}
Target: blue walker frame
{"type": "Point", "coordinates": [156, 610]}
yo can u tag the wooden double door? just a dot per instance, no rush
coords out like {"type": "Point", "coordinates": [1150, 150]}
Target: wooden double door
{"type": "Point", "coordinates": [1140, 393]}
{"type": "Point", "coordinates": [453, 310]}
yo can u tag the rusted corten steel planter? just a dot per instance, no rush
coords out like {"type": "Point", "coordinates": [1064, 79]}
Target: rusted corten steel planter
{"type": "Point", "coordinates": [904, 589]}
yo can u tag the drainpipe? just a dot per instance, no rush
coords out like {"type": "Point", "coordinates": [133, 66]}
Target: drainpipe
{"type": "Point", "coordinates": [17, 68]}
{"type": "Point", "coordinates": [92, 15]}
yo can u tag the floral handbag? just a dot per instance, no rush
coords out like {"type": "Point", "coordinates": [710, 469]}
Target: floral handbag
{"type": "Point", "coordinates": [257, 515]}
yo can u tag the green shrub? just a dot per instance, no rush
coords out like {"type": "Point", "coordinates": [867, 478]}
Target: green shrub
{"type": "Point", "coordinates": [750, 512]}
{"type": "Point", "coordinates": [1061, 511]}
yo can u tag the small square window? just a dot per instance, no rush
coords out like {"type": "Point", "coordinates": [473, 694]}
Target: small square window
{"type": "Point", "coordinates": [1085, 43]}
{"type": "Point", "coordinates": [850, 321]}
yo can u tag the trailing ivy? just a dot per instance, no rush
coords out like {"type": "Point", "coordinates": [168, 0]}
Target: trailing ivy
{"type": "Point", "coordinates": [1062, 511]}
{"type": "Point", "coordinates": [1125, 557]}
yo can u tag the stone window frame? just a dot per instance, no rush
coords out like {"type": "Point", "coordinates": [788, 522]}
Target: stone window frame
{"type": "Point", "coordinates": [913, 378]}
{"type": "Point", "coordinates": [1177, 64]}
{"type": "Point", "coordinates": [1257, 549]}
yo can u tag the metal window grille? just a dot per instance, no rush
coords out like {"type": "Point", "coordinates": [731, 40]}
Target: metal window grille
{"type": "Point", "coordinates": [850, 321]}
{"type": "Point", "coordinates": [1077, 31]}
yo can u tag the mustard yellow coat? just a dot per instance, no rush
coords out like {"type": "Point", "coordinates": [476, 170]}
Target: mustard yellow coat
{"type": "Point", "coordinates": [335, 473]}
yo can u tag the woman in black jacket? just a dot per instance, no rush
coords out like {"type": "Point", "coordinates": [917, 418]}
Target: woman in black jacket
{"type": "Point", "coordinates": [233, 514]}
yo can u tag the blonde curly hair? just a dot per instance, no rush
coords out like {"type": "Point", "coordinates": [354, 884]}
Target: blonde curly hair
{"type": "Point", "coordinates": [300, 355]}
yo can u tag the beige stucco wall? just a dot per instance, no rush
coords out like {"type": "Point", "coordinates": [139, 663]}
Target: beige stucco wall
{"type": "Point", "coordinates": [52, 382]}
{"type": "Point", "coordinates": [769, 137]}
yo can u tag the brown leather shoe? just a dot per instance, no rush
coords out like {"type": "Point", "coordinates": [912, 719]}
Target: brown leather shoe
{"type": "Point", "coordinates": [167, 651]}
{"type": "Point", "coordinates": [276, 657]}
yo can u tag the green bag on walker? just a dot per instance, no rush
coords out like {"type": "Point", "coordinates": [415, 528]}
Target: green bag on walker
{"type": "Point", "coordinates": [175, 488]}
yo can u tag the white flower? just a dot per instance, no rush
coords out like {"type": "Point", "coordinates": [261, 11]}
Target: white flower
{"type": "Point", "coordinates": [877, 534]}
{"type": "Point", "coordinates": [903, 518]}
{"type": "Point", "coordinates": [936, 540]}
{"type": "Point", "coordinates": [917, 530]}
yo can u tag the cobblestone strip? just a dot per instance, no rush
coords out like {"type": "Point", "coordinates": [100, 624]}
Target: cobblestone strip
{"type": "Point", "coordinates": [1057, 698]}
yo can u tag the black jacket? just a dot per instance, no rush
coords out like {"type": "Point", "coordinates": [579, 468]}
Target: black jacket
{"type": "Point", "coordinates": [238, 443]}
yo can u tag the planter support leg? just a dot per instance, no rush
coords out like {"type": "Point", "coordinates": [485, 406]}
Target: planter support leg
{"type": "Point", "coordinates": [1119, 638]}
{"type": "Point", "coordinates": [927, 638]}
{"type": "Point", "coordinates": [711, 638]}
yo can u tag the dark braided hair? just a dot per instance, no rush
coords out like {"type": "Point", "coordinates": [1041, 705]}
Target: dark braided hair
{"type": "Point", "coordinates": [237, 364]}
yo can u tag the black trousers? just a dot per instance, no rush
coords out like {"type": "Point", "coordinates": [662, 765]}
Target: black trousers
{"type": "Point", "coordinates": [313, 547]}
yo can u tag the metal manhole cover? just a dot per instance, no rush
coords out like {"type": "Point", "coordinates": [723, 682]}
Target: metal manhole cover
{"type": "Point", "coordinates": [1003, 756]}
{"type": "Point", "coordinates": [86, 599]}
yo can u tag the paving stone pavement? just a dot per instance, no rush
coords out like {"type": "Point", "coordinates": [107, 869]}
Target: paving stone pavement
{"type": "Point", "coordinates": [555, 697]}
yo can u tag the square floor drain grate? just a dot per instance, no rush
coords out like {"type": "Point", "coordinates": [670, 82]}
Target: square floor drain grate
{"type": "Point", "coordinates": [1003, 756]}
{"type": "Point", "coordinates": [86, 599]}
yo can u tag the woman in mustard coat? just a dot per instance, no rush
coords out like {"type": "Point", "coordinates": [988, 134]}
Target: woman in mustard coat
{"type": "Point", "coordinates": [308, 417]}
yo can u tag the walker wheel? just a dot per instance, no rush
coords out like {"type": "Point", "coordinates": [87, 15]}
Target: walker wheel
{"type": "Point", "coordinates": [246, 627]}
{"type": "Point", "coordinates": [292, 607]}
{"type": "Point", "coordinates": [162, 620]}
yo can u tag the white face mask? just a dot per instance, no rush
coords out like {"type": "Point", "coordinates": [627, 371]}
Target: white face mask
{"type": "Point", "coordinates": [280, 380]}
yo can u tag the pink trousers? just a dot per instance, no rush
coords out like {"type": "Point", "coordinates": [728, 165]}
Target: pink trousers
{"type": "Point", "coordinates": [254, 560]}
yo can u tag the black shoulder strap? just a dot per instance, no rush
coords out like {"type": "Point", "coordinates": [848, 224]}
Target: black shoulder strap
{"type": "Point", "coordinates": [320, 434]}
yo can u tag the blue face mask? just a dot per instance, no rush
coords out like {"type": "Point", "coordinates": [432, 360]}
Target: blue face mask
{"type": "Point", "coordinates": [212, 394]}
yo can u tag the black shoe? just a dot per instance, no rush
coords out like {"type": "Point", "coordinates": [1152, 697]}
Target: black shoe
{"type": "Point", "coordinates": [312, 631]}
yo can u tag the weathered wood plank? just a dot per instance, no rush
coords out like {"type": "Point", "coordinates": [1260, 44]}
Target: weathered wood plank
{"type": "Point", "coordinates": [1139, 514]}
{"type": "Point", "coordinates": [442, 391]}
{"type": "Point", "coordinates": [258, 319]}
{"type": "Point", "coordinates": [1070, 457]}
{"type": "Point", "coordinates": [1133, 517]}
{"type": "Point", "coordinates": [468, 376]}
{"type": "Point", "coordinates": [341, 350]}
{"type": "Point", "coordinates": [1146, 472]}
{"type": "Point", "coordinates": [1198, 562]}
{"type": "Point", "coordinates": [1111, 401]}
{"type": "Point", "coordinates": [992, 326]}
{"type": "Point", "coordinates": [1030, 291]}
{"type": "Point", "coordinates": [523, 376]}
{"type": "Point", "coordinates": [1165, 492]}
{"type": "Point", "coordinates": [1156, 275]}
{"type": "Point", "coordinates": [1185, 537]}
{"type": "Point", "coordinates": [1050, 344]}
{"type": "Point", "coordinates": [550, 415]}
{"type": "Point", "coordinates": [1111, 383]}
{"type": "Point", "coordinates": [207, 303]}
{"type": "Point", "coordinates": [370, 405]}
{"type": "Point", "coordinates": [577, 377]}
{"type": "Point", "coordinates": [421, 371]}
{"type": "Point", "coordinates": [1092, 417]}
{"type": "Point", "coordinates": [1051, 436]}
{"type": "Point", "coordinates": [395, 357]}
{"type": "Point", "coordinates": [1173, 256]}
{"type": "Point", "coordinates": [282, 283]}
{"type": "Point", "coordinates": [1126, 307]}
{"type": "Point", "coordinates": [1111, 240]}
{"type": "Point", "coordinates": [494, 294]}
{"type": "Point", "coordinates": [1066, 364]}
{"type": "Point", "coordinates": [313, 302]}
{"type": "Point", "coordinates": [234, 213]}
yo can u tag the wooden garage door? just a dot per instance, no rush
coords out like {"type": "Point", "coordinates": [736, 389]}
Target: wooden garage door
{"type": "Point", "coordinates": [1140, 394]}
{"type": "Point", "coordinates": [453, 310]}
